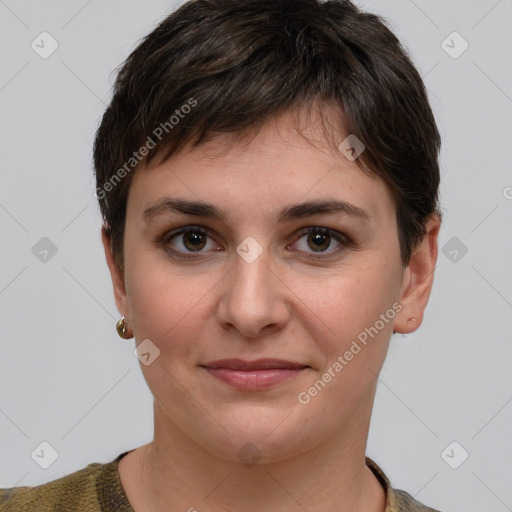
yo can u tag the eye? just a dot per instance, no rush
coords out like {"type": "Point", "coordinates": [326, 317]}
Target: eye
{"type": "Point", "coordinates": [189, 240]}
{"type": "Point", "coordinates": [319, 240]}
{"type": "Point", "coordinates": [314, 241]}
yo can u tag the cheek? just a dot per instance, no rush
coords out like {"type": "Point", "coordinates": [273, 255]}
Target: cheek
{"type": "Point", "coordinates": [355, 346]}
{"type": "Point", "coordinates": [167, 306]}
{"type": "Point", "coordinates": [350, 303]}
{"type": "Point", "coordinates": [168, 309]}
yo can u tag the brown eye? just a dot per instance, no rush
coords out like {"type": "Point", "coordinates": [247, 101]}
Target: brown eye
{"type": "Point", "coordinates": [187, 241]}
{"type": "Point", "coordinates": [319, 240]}
{"type": "Point", "coordinates": [194, 240]}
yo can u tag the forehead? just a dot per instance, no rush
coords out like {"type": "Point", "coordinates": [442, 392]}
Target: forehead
{"type": "Point", "coordinates": [261, 171]}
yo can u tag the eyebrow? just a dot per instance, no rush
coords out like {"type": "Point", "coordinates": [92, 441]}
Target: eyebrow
{"type": "Point", "coordinates": [294, 211]}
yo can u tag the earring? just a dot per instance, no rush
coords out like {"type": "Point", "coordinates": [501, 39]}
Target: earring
{"type": "Point", "coordinates": [121, 329]}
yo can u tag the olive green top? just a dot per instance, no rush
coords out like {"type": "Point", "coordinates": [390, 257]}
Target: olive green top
{"type": "Point", "coordinates": [98, 488]}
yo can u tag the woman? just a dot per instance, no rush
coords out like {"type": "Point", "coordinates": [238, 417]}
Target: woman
{"type": "Point", "coordinates": [268, 178]}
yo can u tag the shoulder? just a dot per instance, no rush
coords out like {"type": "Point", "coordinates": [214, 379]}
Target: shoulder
{"type": "Point", "coordinates": [404, 502]}
{"type": "Point", "coordinates": [78, 489]}
{"type": "Point", "coordinates": [396, 500]}
{"type": "Point", "coordinates": [82, 491]}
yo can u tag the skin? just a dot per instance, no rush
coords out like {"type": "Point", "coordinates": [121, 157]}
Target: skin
{"type": "Point", "coordinates": [282, 305]}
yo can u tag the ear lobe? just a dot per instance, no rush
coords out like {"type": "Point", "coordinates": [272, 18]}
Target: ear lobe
{"type": "Point", "coordinates": [115, 273]}
{"type": "Point", "coordinates": [418, 280]}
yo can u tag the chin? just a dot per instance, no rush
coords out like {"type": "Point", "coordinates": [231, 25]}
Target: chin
{"type": "Point", "coordinates": [258, 435]}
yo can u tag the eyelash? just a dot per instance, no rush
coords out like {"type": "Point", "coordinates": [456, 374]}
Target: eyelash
{"type": "Point", "coordinates": [344, 241]}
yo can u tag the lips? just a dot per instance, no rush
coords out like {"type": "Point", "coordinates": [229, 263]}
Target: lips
{"type": "Point", "coordinates": [253, 375]}
{"type": "Point", "coordinates": [260, 364]}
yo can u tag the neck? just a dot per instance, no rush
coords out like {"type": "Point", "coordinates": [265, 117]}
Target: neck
{"type": "Point", "coordinates": [173, 471]}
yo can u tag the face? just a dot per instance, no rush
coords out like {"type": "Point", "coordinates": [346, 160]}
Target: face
{"type": "Point", "coordinates": [301, 300]}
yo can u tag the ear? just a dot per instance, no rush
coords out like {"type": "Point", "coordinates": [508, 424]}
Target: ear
{"type": "Point", "coordinates": [418, 279]}
{"type": "Point", "coordinates": [117, 277]}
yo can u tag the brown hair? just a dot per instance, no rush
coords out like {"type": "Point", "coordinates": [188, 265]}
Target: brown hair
{"type": "Point", "coordinates": [218, 66]}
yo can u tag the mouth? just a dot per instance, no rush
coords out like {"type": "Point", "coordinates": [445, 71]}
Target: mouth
{"type": "Point", "coordinates": [253, 375]}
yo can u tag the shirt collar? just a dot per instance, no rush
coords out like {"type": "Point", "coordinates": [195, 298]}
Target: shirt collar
{"type": "Point", "coordinates": [113, 497]}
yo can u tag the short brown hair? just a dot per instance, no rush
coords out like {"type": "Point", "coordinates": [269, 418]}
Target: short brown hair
{"type": "Point", "coordinates": [219, 66]}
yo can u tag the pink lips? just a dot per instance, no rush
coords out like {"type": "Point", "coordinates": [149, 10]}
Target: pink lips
{"type": "Point", "coordinates": [253, 375]}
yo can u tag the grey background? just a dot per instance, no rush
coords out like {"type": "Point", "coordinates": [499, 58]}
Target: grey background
{"type": "Point", "coordinates": [67, 379]}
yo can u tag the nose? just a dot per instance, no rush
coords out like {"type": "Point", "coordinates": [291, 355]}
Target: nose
{"type": "Point", "coordinates": [254, 298]}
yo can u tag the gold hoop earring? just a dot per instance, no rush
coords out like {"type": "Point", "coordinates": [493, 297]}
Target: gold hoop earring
{"type": "Point", "coordinates": [121, 329]}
